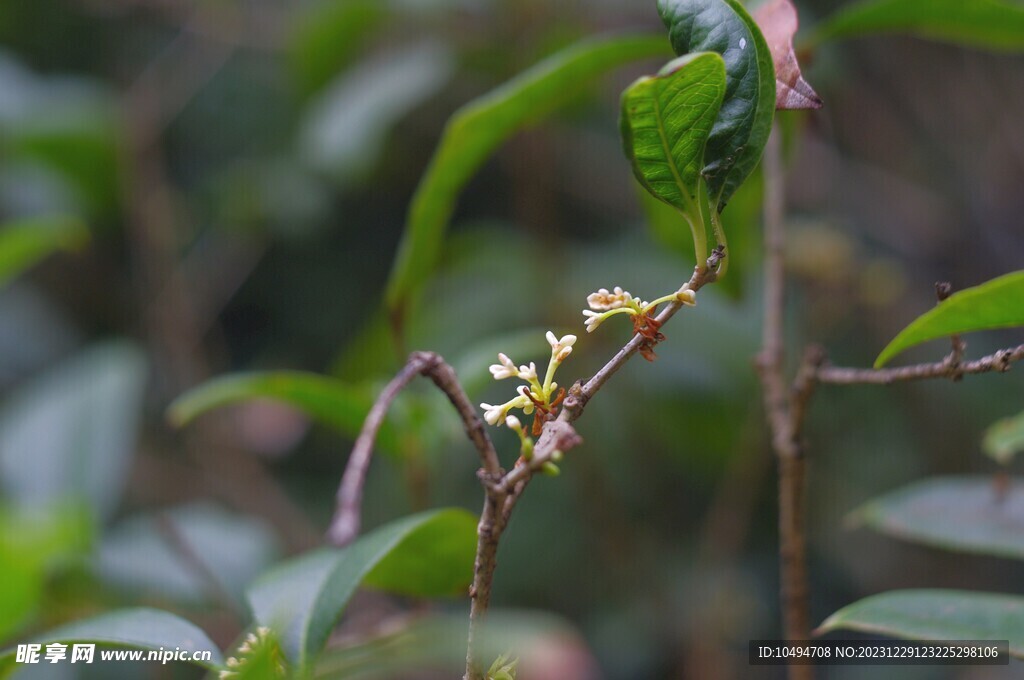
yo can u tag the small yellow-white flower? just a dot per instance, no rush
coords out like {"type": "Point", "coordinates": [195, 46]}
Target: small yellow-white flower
{"type": "Point", "coordinates": [561, 348]}
{"type": "Point", "coordinates": [497, 414]}
{"type": "Point", "coordinates": [536, 396]}
{"type": "Point", "coordinates": [604, 301]}
{"type": "Point", "coordinates": [506, 369]}
{"type": "Point", "coordinates": [528, 373]}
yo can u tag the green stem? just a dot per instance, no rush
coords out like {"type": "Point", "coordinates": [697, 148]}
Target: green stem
{"type": "Point", "coordinates": [716, 223]}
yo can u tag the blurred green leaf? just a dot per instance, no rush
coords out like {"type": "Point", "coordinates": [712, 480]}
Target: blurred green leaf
{"type": "Point", "coordinates": [327, 35]}
{"type": "Point", "coordinates": [741, 129]}
{"type": "Point", "coordinates": [936, 615]}
{"type": "Point", "coordinates": [21, 591]}
{"type": "Point", "coordinates": [141, 628]}
{"type": "Point", "coordinates": [478, 128]}
{"type": "Point", "coordinates": [1004, 439]}
{"type": "Point", "coordinates": [344, 128]}
{"type": "Point", "coordinates": [31, 545]}
{"type": "Point", "coordinates": [156, 554]}
{"type": "Point", "coordinates": [326, 400]}
{"type": "Point", "coordinates": [998, 303]}
{"type": "Point", "coordinates": [665, 123]}
{"type": "Point", "coordinates": [988, 24]}
{"type": "Point", "coordinates": [963, 514]}
{"type": "Point", "coordinates": [69, 435]}
{"type": "Point", "coordinates": [428, 554]}
{"type": "Point", "coordinates": [81, 145]}
{"type": "Point", "coordinates": [27, 241]}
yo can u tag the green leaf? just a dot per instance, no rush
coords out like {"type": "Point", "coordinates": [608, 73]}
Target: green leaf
{"type": "Point", "coordinates": [328, 35]}
{"type": "Point", "coordinates": [142, 628]}
{"type": "Point", "coordinates": [666, 120]}
{"type": "Point", "coordinates": [936, 615]}
{"type": "Point", "coordinates": [988, 24]}
{"type": "Point", "coordinates": [27, 241]}
{"type": "Point", "coordinates": [428, 554]}
{"type": "Point", "coordinates": [479, 127]}
{"type": "Point", "coordinates": [326, 400]}
{"type": "Point", "coordinates": [69, 435]}
{"type": "Point", "coordinates": [998, 303]}
{"type": "Point", "coordinates": [744, 122]}
{"type": "Point", "coordinates": [963, 514]}
{"type": "Point", "coordinates": [33, 544]}
{"type": "Point", "coordinates": [1004, 439]}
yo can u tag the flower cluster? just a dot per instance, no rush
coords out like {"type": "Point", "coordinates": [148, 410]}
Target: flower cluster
{"type": "Point", "coordinates": [604, 304]}
{"type": "Point", "coordinates": [258, 656]}
{"type": "Point", "coordinates": [540, 399]}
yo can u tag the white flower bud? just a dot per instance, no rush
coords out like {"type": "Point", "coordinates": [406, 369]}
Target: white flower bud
{"type": "Point", "coordinates": [506, 369]}
{"type": "Point", "coordinates": [528, 373]}
{"type": "Point", "coordinates": [493, 414]}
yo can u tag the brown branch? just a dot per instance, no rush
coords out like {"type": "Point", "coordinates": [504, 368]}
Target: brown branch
{"type": "Point", "coordinates": [557, 437]}
{"type": "Point", "coordinates": [785, 410]}
{"type": "Point", "coordinates": [950, 367]}
{"type": "Point", "coordinates": [345, 526]}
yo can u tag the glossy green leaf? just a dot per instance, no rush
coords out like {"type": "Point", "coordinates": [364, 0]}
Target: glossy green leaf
{"type": "Point", "coordinates": [142, 628]}
{"type": "Point", "coordinates": [988, 24]}
{"type": "Point", "coordinates": [69, 435]}
{"type": "Point", "coordinates": [963, 514]}
{"type": "Point", "coordinates": [478, 128]}
{"type": "Point", "coordinates": [429, 554]}
{"type": "Point", "coordinates": [1004, 439]}
{"type": "Point", "coordinates": [936, 615]}
{"type": "Point", "coordinates": [741, 129]}
{"type": "Point", "coordinates": [998, 303]}
{"type": "Point", "coordinates": [666, 120]}
{"type": "Point", "coordinates": [326, 400]}
{"type": "Point", "coordinates": [25, 242]}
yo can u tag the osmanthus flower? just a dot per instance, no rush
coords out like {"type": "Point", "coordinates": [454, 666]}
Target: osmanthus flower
{"type": "Point", "coordinates": [540, 399]}
{"type": "Point", "coordinates": [604, 304]}
{"type": "Point", "coordinates": [259, 656]}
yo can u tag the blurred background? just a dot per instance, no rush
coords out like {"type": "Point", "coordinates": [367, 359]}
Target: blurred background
{"type": "Point", "coordinates": [227, 182]}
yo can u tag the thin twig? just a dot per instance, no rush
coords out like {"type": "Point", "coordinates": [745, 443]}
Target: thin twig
{"type": "Point", "coordinates": [785, 410]}
{"type": "Point", "coordinates": [556, 438]}
{"type": "Point", "coordinates": [997, 362]}
{"type": "Point", "coordinates": [345, 526]}
{"type": "Point", "coordinates": [180, 544]}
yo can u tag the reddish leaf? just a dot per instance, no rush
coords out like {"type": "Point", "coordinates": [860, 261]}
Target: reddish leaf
{"type": "Point", "coordinates": [778, 22]}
